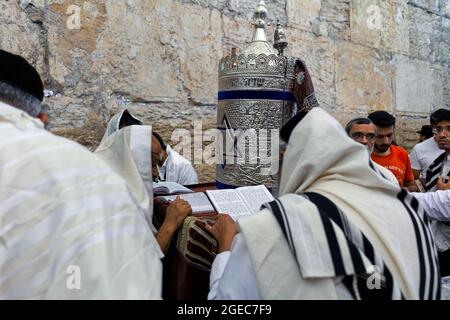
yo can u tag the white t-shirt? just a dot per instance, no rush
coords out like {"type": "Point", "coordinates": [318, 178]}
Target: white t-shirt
{"type": "Point", "coordinates": [423, 155]}
{"type": "Point", "coordinates": [446, 167]}
{"type": "Point", "coordinates": [177, 169]}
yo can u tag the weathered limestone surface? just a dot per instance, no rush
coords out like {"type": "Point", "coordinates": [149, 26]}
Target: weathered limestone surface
{"type": "Point", "coordinates": [160, 58]}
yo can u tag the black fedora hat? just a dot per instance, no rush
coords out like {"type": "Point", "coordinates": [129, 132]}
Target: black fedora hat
{"type": "Point", "coordinates": [426, 130]}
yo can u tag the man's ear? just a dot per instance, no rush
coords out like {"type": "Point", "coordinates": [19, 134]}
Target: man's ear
{"type": "Point", "coordinates": [43, 117]}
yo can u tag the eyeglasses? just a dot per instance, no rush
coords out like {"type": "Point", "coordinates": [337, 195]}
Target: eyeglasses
{"type": "Point", "coordinates": [360, 135]}
{"type": "Point", "coordinates": [437, 130]}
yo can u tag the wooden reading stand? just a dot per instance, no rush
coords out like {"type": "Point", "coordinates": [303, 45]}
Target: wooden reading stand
{"type": "Point", "coordinates": [183, 278]}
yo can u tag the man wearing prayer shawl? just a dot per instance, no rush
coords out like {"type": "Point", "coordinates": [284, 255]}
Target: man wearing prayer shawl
{"type": "Point", "coordinates": [169, 165]}
{"type": "Point", "coordinates": [128, 152]}
{"type": "Point", "coordinates": [339, 230]}
{"type": "Point", "coordinates": [120, 120]}
{"type": "Point", "coordinates": [69, 226]}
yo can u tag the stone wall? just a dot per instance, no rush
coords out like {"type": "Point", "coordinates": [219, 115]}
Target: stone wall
{"type": "Point", "coordinates": [159, 58]}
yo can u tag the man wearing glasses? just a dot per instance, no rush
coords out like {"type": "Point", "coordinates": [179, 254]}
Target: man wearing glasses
{"type": "Point", "coordinates": [387, 154]}
{"type": "Point", "coordinates": [439, 171]}
{"type": "Point", "coordinates": [437, 179]}
{"type": "Point", "coordinates": [364, 131]}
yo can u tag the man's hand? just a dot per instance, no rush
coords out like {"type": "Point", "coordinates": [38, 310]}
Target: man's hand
{"type": "Point", "coordinates": [176, 212]}
{"type": "Point", "coordinates": [441, 185]}
{"type": "Point", "coordinates": [224, 230]}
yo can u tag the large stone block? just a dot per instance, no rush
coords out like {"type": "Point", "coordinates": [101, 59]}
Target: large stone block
{"type": "Point", "coordinates": [322, 17]}
{"type": "Point", "coordinates": [22, 35]}
{"type": "Point", "coordinates": [446, 87]}
{"type": "Point", "coordinates": [237, 32]}
{"type": "Point", "coordinates": [363, 79]}
{"type": "Point", "coordinates": [336, 17]}
{"type": "Point", "coordinates": [319, 54]}
{"type": "Point", "coordinates": [304, 14]}
{"type": "Point", "coordinates": [200, 50]}
{"type": "Point", "coordinates": [406, 129]}
{"type": "Point", "coordinates": [242, 8]}
{"type": "Point", "coordinates": [381, 24]}
{"type": "Point", "coordinates": [444, 8]}
{"type": "Point", "coordinates": [425, 35]}
{"type": "Point", "coordinates": [418, 86]}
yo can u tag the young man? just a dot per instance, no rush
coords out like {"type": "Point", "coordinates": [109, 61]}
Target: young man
{"type": "Point", "coordinates": [437, 179]}
{"type": "Point", "coordinates": [364, 131]}
{"type": "Point", "coordinates": [169, 165]}
{"type": "Point", "coordinates": [120, 120]}
{"type": "Point", "coordinates": [439, 171]}
{"type": "Point", "coordinates": [423, 154]}
{"type": "Point", "coordinates": [386, 154]}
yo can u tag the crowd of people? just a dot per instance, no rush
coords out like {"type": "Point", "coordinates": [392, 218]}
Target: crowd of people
{"type": "Point", "coordinates": [353, 207]}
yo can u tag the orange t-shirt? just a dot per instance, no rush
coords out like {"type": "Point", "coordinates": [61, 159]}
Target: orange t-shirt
{"type": "Point", "coordinates": [398, 163]}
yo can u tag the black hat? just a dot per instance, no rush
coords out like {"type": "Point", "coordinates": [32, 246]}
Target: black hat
{"type": "Point", "coordinates": [426, 131]}
{"type": "Point", "coordinates": [17, 72]}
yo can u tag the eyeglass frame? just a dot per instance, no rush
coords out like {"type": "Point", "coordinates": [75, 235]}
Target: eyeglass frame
{"type": "Point", "coordinates": [368, 136]}
{"type": "Point", "coordinates": [437, 130]}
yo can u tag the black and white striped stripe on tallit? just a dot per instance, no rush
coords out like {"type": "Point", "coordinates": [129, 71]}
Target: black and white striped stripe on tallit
{"type": "Point", "coordinates": [434, 171]}
{"type": "Point", "coordinates": [348, 246]}
{"type": "Point", "coordinates": [429, 266]}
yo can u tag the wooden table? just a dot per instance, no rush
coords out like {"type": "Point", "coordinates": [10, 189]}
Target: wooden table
{"type": "Point", "coordinates": [184, 276]}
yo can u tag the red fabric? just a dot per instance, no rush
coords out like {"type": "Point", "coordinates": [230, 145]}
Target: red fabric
{"type": "Point", "coordinates": [398, 163]}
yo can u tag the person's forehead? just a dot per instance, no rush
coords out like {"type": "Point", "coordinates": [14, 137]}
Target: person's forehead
{"type": "Point", "coordinates": [385, 130]}
{"type": "Point", "coordinates": [155, 144]}
{"type": "Point", "coordinates": [365, 128]}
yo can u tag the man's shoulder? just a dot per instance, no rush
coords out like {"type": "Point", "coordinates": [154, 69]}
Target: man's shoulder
{"type": "Point", "coordinates": [399, 150]}
{"type": "Point", "coordinates": [426, 146]}
{"type": "Point", "coordinates": [178, 158]}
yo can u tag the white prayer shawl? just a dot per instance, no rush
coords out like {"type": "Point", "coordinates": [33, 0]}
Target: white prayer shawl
{"type": "Point", "coordinates": [321, 158]}
{"type": "Point", "coordinates": [386, 173]}
{"type": "Point", "coordinates": [113, 124]}
{"type": "Point", "coordinates": [128, 153]}
{"type": "Point", "coordinates": [69, 227]}
{"type": "Point", "coordinates": [177, 169]}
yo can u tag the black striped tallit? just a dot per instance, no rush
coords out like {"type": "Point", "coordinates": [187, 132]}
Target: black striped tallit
{"type": "Point", "coordinates": [434, 171]}
{"type": "Point", "coordinates": [429, 285]}
{"type": "Point", "coordinates": [360, 248]}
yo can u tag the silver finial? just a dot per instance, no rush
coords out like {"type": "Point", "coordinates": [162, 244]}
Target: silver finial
{"type": "Point", "coordinates": [260, 15]}
{"type": "Point", "coordinates": [280, 41]}
{"type": "Point", "coordinates": [259, 43]}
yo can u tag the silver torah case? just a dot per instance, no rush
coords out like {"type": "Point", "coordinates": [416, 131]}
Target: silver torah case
{"type": "Point", "coordinates": [255, 100]}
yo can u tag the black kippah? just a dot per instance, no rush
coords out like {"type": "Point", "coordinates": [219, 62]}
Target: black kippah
{"type": "Point", "coordinates": [17, 72]}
